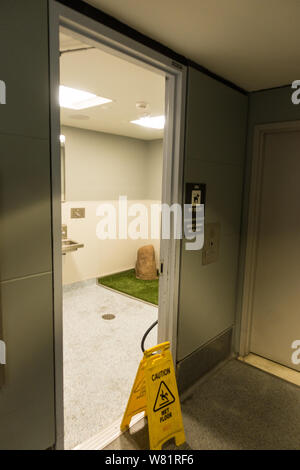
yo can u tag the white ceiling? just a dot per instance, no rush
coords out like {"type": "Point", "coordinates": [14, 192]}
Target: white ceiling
{"type": "Point", "coordinates": [253, 43]}
{"type": "Point", "coordinates": [110, 77]}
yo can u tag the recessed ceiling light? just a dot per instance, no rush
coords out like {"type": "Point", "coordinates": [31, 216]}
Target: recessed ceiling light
{"type": "Point", "coordinates": [78, 99]}
{"type": "Point", "coordinates": [154, 122]}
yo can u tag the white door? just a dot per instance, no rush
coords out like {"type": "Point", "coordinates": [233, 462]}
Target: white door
{"type": "Point", "coordinates": [276, 297]}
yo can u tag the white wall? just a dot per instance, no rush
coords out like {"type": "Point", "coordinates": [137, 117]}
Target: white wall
{"type": "Point", "coordinates": [103, 166]}
{"type": "Point", "coordinates": [98, 257]}
{"type": "Point", "coordinates": [99, 168]}
{"type": "Point", "coordinates": [154, 163]}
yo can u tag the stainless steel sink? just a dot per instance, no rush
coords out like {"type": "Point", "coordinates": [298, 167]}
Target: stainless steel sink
{"type": "Point", "coordinates": [70, 245]}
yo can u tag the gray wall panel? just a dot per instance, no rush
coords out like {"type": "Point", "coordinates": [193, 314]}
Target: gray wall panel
{"type": "Point", "coordinates": [208, 296]}
{"type": "Point", "coordinates": [24, 67]}
{"type": "Point", "coordinates": [216, 121]}
{"type": "Point", "coordinates": [25, 211]}
{"type": "Point", "coordinates": [203, 360]}
{"type": "Point", "coordinates": [215, 153]}
{"type": "Point", "coordinates": [27, 398]}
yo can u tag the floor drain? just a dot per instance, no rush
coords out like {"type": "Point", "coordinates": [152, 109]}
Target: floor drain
{"type": "Point", "coordinates": [108, 316]}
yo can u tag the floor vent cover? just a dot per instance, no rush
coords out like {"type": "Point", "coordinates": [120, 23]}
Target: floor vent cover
{"type": "Point", "coordinates": [108, 316]}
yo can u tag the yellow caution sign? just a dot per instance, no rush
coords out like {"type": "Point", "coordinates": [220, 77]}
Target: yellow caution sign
{"type": "Point", "coordinates": [155, 392]}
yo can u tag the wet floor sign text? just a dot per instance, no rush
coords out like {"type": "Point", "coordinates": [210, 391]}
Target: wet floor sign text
{"type": "Point", "coordinates": [155, 392]}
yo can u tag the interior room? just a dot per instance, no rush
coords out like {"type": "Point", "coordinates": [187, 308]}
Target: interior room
{"type": "Point", "coordinates": [225, 78]}
{"type": "Point", "coordinates": [105, 156]}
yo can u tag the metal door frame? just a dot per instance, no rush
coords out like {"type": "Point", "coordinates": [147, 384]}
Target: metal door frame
{"type": "Point", "coordinates": [116, 43]}
{"type": "Point", "coordinates": [260, 131]}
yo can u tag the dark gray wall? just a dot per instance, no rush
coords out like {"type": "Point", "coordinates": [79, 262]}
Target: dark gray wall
{"type": "Point", "coordinates": [264, 107]}
{"type": "Point", "coordinates": [27, 397]}
{"type": "Point", "coordinates": [215, 154]}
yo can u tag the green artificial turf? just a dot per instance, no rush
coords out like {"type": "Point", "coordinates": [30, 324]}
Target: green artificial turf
{"type": "Point", "coordinates": [127, 283]}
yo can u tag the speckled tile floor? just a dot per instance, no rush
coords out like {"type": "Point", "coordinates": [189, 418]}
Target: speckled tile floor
{"type": "Point", "coordinates": [236, 407]}
{"type": "Point", "coordinates": [100, 356]}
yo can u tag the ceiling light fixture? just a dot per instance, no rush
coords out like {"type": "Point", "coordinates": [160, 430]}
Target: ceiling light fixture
{"type": "Point", "coordinates": [154, 122]}
{"type": "Point", "coordinates": [78, 99]}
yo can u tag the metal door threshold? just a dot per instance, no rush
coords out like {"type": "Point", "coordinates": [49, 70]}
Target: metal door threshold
{"type": "Point", "coordinates": [273, 368]}
{"type": "Point", "coordinates": [102, 439]}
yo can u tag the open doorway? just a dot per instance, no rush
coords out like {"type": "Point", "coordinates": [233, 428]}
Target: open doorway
{"type": "Point", "coordinates": [110, 283]}
{"type": "Point", "coordinates": [82, 134]}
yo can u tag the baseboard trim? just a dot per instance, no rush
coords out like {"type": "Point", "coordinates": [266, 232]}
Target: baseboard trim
{"type": "Point", "coordinates": [273, 368]}
{"type": "Point", "coordinates": [102, 439]}
{"type": "Point", "coordinates": [203, 360]}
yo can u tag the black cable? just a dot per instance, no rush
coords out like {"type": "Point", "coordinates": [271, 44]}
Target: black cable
{"type": "Point", "coordinates": [146, 334]}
